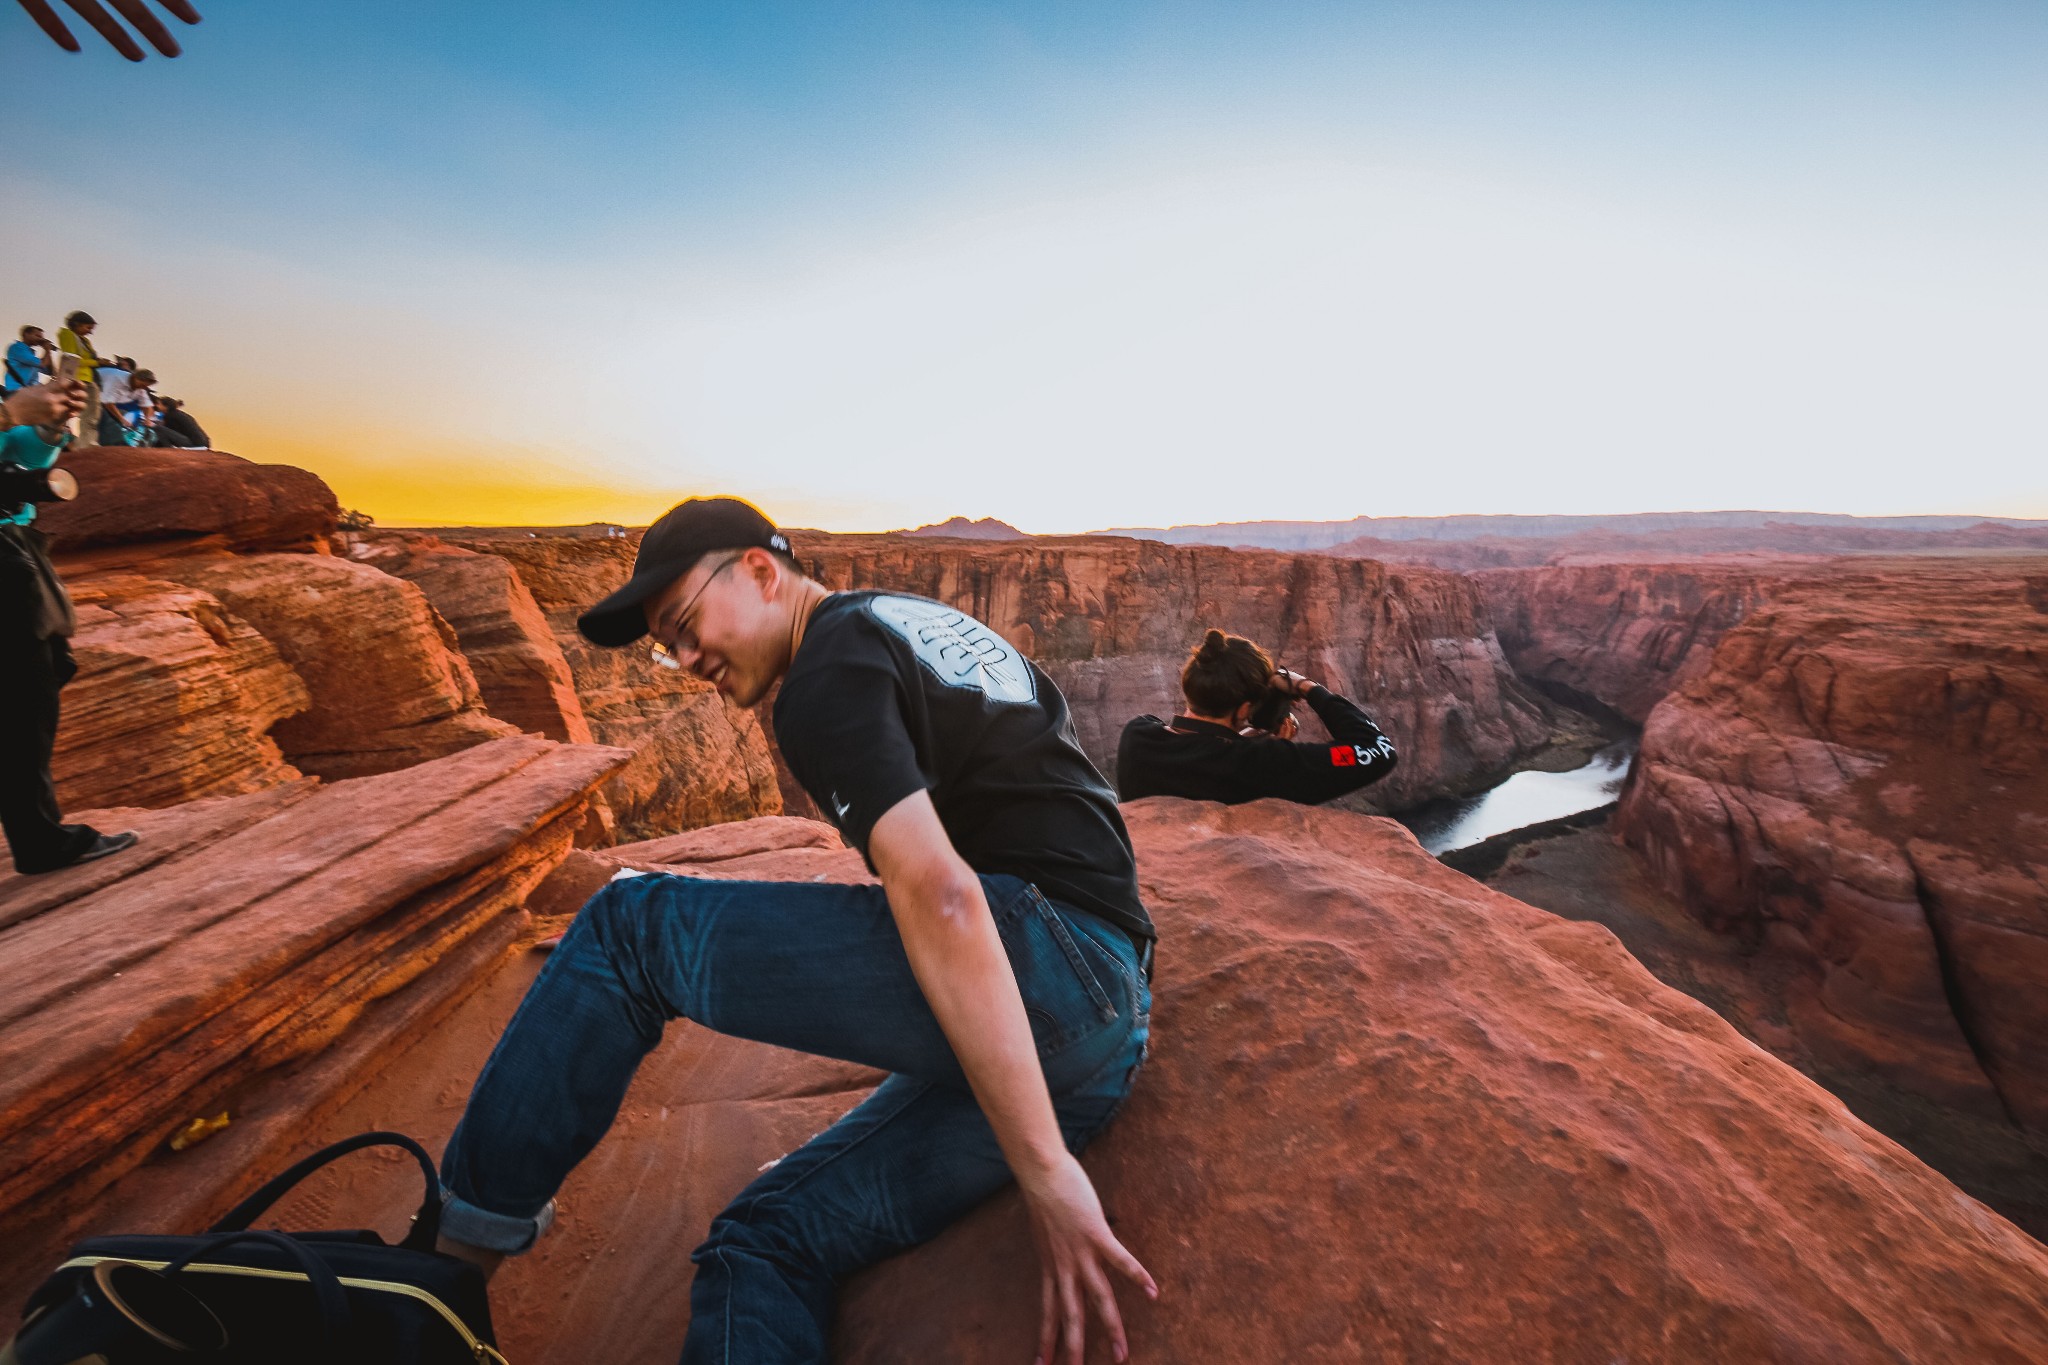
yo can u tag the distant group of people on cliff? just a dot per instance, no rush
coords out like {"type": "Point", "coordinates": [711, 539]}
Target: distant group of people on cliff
{"type": "Point", "coordinates": [122, 406]}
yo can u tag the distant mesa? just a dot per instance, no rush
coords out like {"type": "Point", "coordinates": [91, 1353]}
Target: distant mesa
{"type": "Point", "coordinates": [1325, 535]}
{"type": "Point", "coordinates": [960, 528]}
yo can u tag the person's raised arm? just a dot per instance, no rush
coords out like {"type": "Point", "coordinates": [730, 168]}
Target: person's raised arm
{"type": "Point", "coordinates": [1313, 773]}
{"type": "Point", "coordinates": [958, 959]}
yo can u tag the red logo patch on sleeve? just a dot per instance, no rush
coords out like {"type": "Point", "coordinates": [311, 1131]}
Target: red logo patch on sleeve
{"type": "Point", "coordinates": [1343, 756]}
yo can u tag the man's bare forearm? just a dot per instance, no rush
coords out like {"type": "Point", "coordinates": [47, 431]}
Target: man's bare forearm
{"type": "Point", "coordinates": [943, 917]}
{"type": "Point", "coordinates": [960, 965]}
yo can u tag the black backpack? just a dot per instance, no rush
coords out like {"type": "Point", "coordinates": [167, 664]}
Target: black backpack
{"type": "Point", "coordinates": [277, 1297]}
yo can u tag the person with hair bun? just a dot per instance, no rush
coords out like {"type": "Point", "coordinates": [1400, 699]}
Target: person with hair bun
{"type": "Point", "coordinates": [1212, 753]}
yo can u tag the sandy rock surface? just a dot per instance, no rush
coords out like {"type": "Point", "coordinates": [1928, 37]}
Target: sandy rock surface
{"type": "Point", "coordinates": [1390, 1115]}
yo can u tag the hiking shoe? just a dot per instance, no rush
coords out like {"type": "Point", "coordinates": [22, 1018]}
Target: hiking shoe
{"type": "Point", "coordinates": [100, 847]}
{"type": "Point", "coordinates": [106, 844]}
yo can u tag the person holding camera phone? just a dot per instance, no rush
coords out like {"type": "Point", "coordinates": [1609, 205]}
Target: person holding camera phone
{"type": "Point", "coordinates": [1233, 743]}
{"type": "Point", "coordinates": [36, 622]}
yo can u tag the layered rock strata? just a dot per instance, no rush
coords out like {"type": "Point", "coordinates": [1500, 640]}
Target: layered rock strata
{"type": "Point", "coordinates": [175, 698]}
{"type": "Point", "coordinates": [251, 933]}
{"type": "Point", "coordinates": [1112, 622]}
{"type": "Point", "coordinates": [387, 681]}
{"type": "Point", "coordinates": [1389, 1115]}
{"type": "Point", "coordinates": [505, 637]}
{"type": "Point", "coordinates": [1860, 778]}
{"type": "Point", "coordinates": [697, 760]}
{"type": "Point", "coordinates": [1620, 635]}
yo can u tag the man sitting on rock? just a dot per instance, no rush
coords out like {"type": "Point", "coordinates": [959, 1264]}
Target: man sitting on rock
{"type": "Point", "coordinates": [999, 972]}
{"type": "Point", "coordinates": [1212, 753]}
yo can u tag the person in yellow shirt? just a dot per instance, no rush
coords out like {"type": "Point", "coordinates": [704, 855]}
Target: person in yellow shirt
{"type": "Point", "coordinates": [73, 339]}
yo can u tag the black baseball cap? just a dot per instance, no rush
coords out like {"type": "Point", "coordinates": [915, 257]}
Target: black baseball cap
{"type": "Point", "coordinates": [685, 534]}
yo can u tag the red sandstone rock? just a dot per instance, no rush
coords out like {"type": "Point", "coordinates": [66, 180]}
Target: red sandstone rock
{"type": "Point", "coordinates": [1861, 776]}
{"type": "Point", "coordinates": [802, 850]}
{"type": "Point", "coordinates": [697, 759]}
{"type": "Point", "coordinates": [169, 501]}
{"type": "Point", "coordinates": [174, 699]}
{"type": "Point", "coordinates": [1622, 635]}
{"type": "Point", "coordinates": [506, 639]}
{"type": "Point", "coordinates": [1112, 621]}
{"type": "Point", "coordinates": [389, 687]}
{"type": "Point", "coordinates": [137, 1004]}
{"type": "Point", "coordinates": [1389, 1115]}
{"type": "Point", "coordinates": [703, 1115]}
{"type": "Point", "coordinates": [1394, 1116]}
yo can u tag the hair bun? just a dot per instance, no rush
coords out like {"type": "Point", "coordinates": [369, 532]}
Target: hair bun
{"type": "Point", "coordinates": [1215, 642]}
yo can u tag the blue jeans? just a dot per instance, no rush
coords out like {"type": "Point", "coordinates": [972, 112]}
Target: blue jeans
{"type": "Point", "coordinates": [814, 967]}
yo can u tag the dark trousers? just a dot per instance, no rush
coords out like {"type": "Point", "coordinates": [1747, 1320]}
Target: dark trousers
{"type": "Point", "coordinates": [31, 673]}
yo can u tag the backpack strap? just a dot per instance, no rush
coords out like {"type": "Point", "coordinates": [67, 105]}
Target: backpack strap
{"type": "Point", "coordinates": [426, 1225]}
{"type": "Point", "coordinates": [327, 1290]}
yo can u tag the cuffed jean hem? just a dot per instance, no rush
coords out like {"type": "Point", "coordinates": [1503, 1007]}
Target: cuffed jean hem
{"type": "Point", "coordinates": [464, 1222]}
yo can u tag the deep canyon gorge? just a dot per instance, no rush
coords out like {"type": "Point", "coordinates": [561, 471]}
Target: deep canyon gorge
{"type": "Point", "coordinates": [1394, 1111]}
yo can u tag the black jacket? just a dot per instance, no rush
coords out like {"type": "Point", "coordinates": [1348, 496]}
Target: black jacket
{"type": "Point", "coordinates": [1210, 762]}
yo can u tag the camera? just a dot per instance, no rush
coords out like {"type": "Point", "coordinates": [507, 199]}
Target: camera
{"type": "Point", "coordinates": [20, 485]}
{"type": "Point", "coordinates": [1272, 709]}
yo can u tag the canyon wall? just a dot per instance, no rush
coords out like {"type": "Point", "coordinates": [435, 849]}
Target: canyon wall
{"type": "Point", "coordinates": [1620, 635]}
{"type": "Point", "coordinates": [389, 686]}
{"type": "Point", "coordinates": [501, 629]}
{"type": "Point", "coordinates": [697, 759]}
{"type": "Point", "coordinates": [1859, 777]}
{"type": "Point", "coordinates": [1111, 621]}
{"type": "Point", "coordinates": [1325, 535]}
{"type": "Point", "coordinates": [1775, 540]}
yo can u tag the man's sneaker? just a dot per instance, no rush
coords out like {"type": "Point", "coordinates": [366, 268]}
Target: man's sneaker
{"type": "Point", "coordinates": [106, 844]}
{"type": "Point", "coordinates": [100, 847]}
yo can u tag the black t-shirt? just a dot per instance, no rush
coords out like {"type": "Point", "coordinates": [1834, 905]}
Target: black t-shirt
{"type": "Point", "coordinates": [1208, 762]}
{"type": "Point", "coordinates": [890, 695]}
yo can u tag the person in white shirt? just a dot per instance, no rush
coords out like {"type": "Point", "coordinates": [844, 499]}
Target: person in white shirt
{"type": "Point", "coordinates": [124, 395]}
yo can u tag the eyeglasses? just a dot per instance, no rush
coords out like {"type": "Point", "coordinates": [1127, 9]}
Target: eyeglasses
{"type": "Point", "coordinates": [683, 639]}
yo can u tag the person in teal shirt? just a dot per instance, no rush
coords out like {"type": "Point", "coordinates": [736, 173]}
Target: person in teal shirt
{"type": "Point", "coordinates": [36, 623]}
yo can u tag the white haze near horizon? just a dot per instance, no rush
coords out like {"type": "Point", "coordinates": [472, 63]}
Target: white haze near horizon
{"type": "Point", "coordinates": [1299, 339]}
{"type": "Point", "coordinates": [1314, 340]}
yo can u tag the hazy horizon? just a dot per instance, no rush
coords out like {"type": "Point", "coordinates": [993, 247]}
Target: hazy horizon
{"type": "Point", "coordinates": [1075, 267]}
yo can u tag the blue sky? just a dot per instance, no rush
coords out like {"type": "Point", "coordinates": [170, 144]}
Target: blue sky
{"type": "Point", "coordinates": [1071, 264]}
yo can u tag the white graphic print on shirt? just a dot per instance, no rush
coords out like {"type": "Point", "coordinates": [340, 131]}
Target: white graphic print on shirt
{"type": "Point", "coordinates": [959, 649]}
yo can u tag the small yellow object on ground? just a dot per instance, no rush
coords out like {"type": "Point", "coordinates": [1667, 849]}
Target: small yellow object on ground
{"type": "Point", "coordinates": [197, 1131]}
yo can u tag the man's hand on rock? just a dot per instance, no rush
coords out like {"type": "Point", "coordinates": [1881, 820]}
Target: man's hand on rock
{"type": "Point", "coordinates": [45, 405]}
{"type": "Point", "coordinates": [1076, 1251]}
